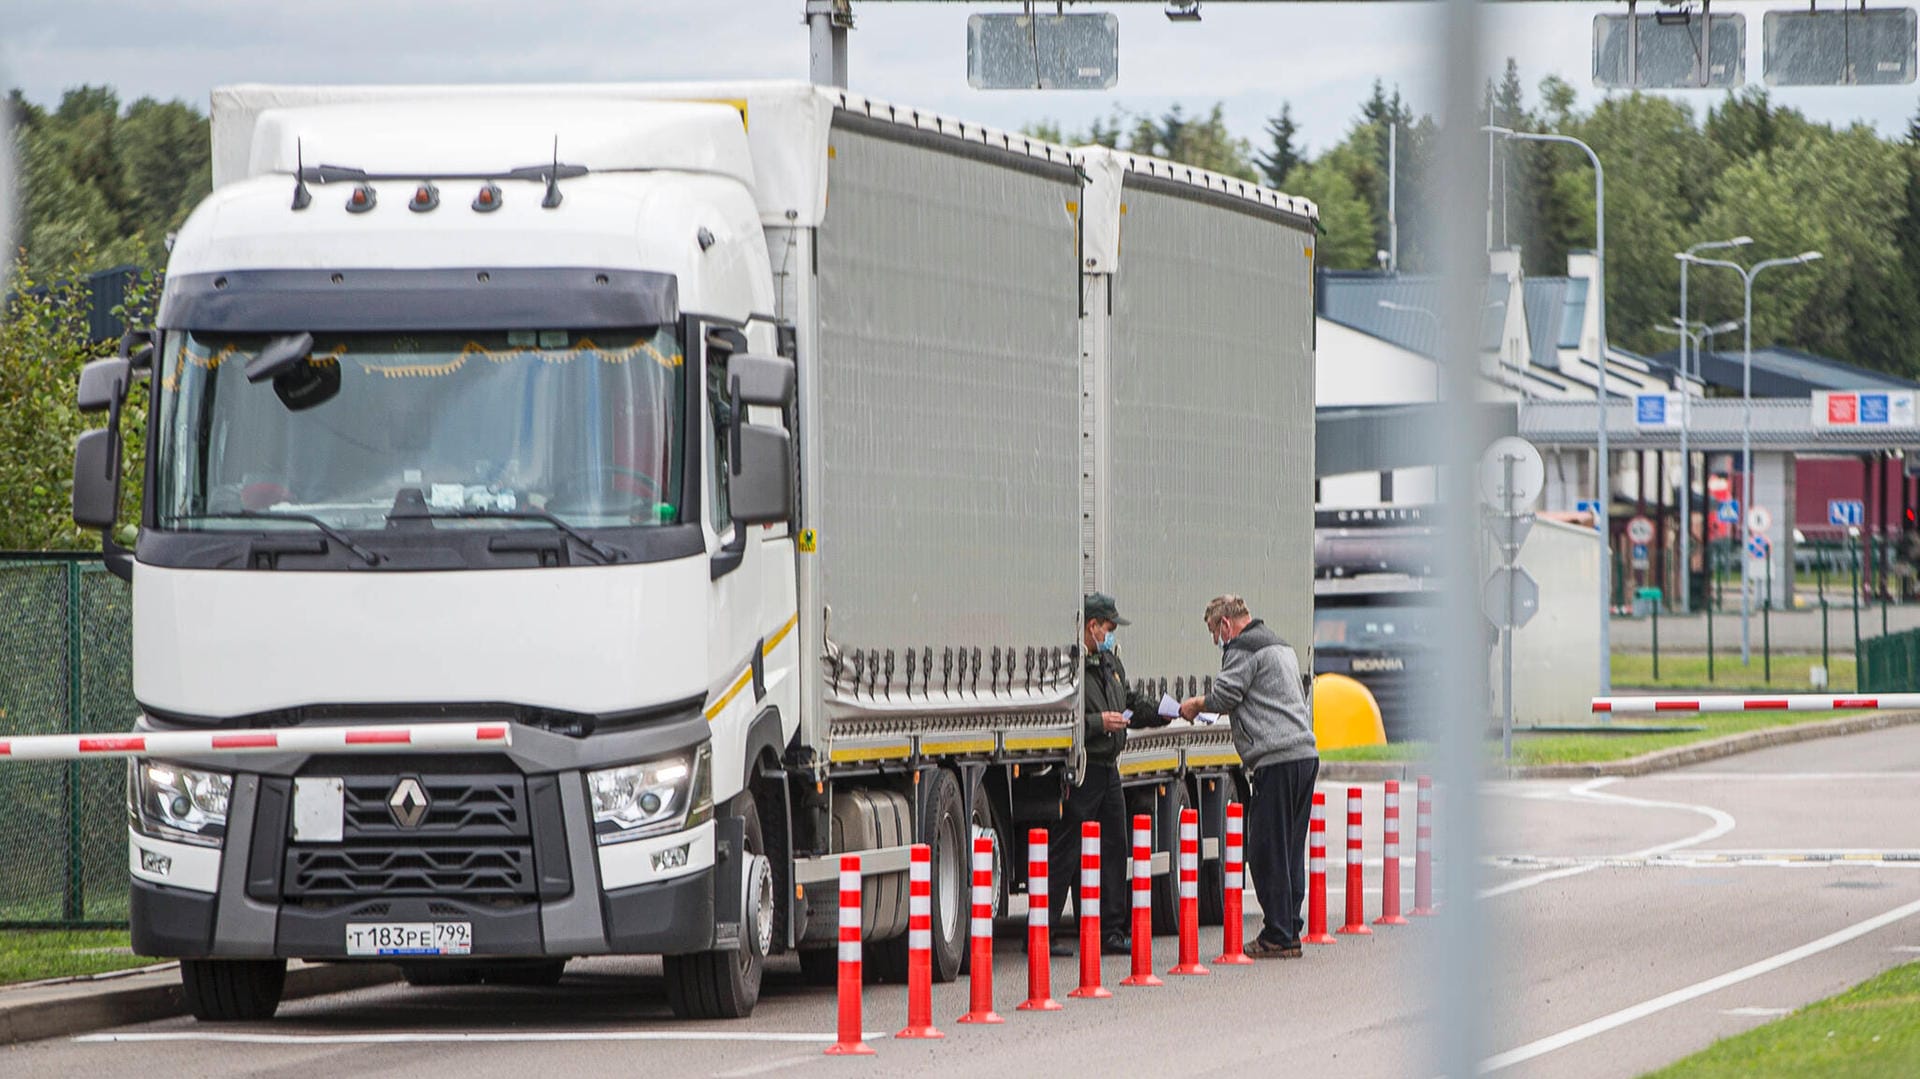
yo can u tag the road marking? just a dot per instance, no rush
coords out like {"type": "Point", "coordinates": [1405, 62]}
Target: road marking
{"type": "Point", "coordinates": [1776, 777]}
{"type": "Point", "coordinates": [402, 1037]}
{"type": "Point", "coordinates": [1698, 989]}
{"type": "Point", "coordinates": [1810, 859]}
{"type": "Point", "coordinates": [1757, 1011]}
{"type": "Point", "coordinates": [1590, 791]}
{"type": "Point", "coordinates": [774, 1065]}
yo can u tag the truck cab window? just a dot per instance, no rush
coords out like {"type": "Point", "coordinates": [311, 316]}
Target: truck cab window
{"type": "Point", "coordinates": [720, 408]}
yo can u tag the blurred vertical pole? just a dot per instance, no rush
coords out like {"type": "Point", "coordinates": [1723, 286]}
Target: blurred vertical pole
{"type": "Point", "coordinates": [1459, 965]}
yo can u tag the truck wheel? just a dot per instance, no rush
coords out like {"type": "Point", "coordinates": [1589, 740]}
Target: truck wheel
{"type": "Point", "coordinates": [726, 984]}
{"type": "Point", "coordinates": [1213, 871]}
{"type": "Point", "coordinates": [1166, 889]}
{"type": "Point", "coordinates": [981, 825]}
{"type": "Point", "coordinates": [233, 990]}
{"type": "Point", "coordinates": [943, 828]}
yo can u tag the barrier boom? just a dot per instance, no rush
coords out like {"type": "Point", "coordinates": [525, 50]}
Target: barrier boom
{"type": "Point", "coordinates": [406, 738]}
{"type": "Point", "coordinates": [1793, 702]}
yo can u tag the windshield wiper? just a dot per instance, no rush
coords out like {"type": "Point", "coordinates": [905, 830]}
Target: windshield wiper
{"type": "Point", "coordinates": [327, 530]}
{"type": "Point", "coordinates": [601, 551]}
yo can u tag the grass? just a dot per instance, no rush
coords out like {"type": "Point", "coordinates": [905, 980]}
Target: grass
{"type": "Point", "coordinates": [1634, 670]}
{"type": "Point", "coordinates": [28, 955]}
{"type": "Point", "coordinates": [1595, 748]}
{"type": "Point", "coordinates": [1872, 1029]}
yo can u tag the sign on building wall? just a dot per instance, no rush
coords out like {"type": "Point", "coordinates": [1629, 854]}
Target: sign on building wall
{"type": "Point", "coordinates": [1863, 408]}
{"type": "Point", "coordinates": [1656, 409]}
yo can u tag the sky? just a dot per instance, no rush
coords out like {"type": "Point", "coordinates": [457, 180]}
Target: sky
{"type": "Point", "coordinates": [1320, 57]}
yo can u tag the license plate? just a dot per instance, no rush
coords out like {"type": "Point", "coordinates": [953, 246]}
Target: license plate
{"type": "Point", "coordinates": [410, 938]}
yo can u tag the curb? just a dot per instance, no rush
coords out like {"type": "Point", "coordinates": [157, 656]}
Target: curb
{"type": "Point", "coordinates": [1658, 761]}
{"type": "Point", "coordinates": [79, 1005]}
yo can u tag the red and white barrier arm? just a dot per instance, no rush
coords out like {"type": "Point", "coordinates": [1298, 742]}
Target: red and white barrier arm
{"type": "Point", "coordinates": [1792, 702]}
{"type": "Point", "coordinates": [409, 738]}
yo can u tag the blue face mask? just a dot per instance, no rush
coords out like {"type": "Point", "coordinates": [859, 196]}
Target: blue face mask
{"type": "Point", "coordinates": [1106, 643]}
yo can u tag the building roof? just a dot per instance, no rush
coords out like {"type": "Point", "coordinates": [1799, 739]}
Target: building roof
{"type": "Point", "coordinates": [1353, 299]}
{"type": "Point", "coordinates": [1786, 372]}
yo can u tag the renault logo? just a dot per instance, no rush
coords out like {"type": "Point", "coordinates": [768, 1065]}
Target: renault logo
{"type": "Point", "coordinates": [408, 802]}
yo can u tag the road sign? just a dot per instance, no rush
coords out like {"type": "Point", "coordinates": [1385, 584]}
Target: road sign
{"type": "Point", "coordinates": [1529, 475]}
{"type": "Point", "coordinates": [1758, 548]}
{"type": "Point", "coordinates": [1589, 505]}
{"type": "Point", "coordinates": [1011, 51]}
{"type": "Point", "coordinates": [1509, 530]}
{"type": "Point", "coordinates": [1846, 511]}
{"type": "Point", "coordinates": [1656, 409]}
{"type": "Point", "coordinates": [1838, 48]}
{"type": "Point", "coordinates": [1670, 51]}
{"type": "Point", "coordinates": [1759, 519]}
{"type": "Point", "coordinates": [1729, 512]}
{"type": "Point", "coordinates": [1639, 556]}
{"type": "Point", "coordinates": [1510, 589]}
{"type": "Point", "coordinates": [1640, 531]}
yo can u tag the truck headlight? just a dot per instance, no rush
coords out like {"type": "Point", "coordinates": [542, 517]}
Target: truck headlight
{"type": "Point", "coordinates": [166, 801]}
{"type": "Point", "coordinates": [651, 798]}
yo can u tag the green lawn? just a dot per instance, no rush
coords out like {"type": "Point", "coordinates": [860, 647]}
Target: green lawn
{"type": "Point", "coordinates": [28, 955]}
{"type": "Point", "coordinates": [1634, 670]}
{"type": "Point", "coordinates": [1592, 748]}
{"type": "Point", "coordinates": [1872, 1029]}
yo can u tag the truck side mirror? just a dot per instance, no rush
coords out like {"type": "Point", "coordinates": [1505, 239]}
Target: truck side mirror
{"type": "Point", "coordinates": [761, 380]}
{"type": "Point", "coordinates": [104, 384]}
{"type": "Point", "coordinates": [96, 479]}
{"type": "Point", "coordinates": [137, 346]}
{"type": "Point", "coordinates": [761, 491]}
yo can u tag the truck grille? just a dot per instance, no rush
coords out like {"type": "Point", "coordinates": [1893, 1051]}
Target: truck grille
{"type": "Point", "coordinates": [351, 871]}
{"type": "Point", "coordinates": [471, 807]}
{"type": "Point", "coordinates": [473, 841]}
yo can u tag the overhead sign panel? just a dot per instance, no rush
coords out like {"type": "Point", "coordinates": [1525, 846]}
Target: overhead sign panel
{"type": "Point", "coordinates": [1670, 51]}
{"type": "Point", "coordinates": [1864, 408]}
{"type": "Point", "coordinates": [1043, 52]}
{"type": "Point", "coordinates": [1656, 409]}
{"type": "Point", "coordinates": [1871, 47]}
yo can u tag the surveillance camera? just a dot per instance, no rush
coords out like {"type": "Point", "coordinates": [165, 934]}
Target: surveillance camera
{"type": "Point", "coordinates": [1183, 10]}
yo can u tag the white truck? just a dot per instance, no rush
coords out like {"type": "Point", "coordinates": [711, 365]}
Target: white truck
{"type": "Point", "coordinates": [745, 448]}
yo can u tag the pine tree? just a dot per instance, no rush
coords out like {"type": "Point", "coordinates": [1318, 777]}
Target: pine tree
{"type": "Point", "coordinates": [1283, 156]}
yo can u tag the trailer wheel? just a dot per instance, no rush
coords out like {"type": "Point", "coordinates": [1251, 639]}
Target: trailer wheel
{"type": "Point", "coordinates": [1213, 871]}
{"type": "Point", "coordinates": [233, 990]}
{"type": "Point", "coordinates": [724, 984]}
{"type": "Point", "coordinates": [1166, 888]}
{"type": "Point", "coordinates": [943, 828]}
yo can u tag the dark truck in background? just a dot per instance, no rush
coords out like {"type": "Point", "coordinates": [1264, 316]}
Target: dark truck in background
{"type": "Point", "coordinates": [1375, 604]}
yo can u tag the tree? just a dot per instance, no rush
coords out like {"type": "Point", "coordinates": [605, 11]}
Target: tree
{"type": "Point", "coordinates": [1282, 156]}
{"type": "Point", "coordinates": [1346, 240]}
{"type": "Point", "coordinates": [1205, 144]}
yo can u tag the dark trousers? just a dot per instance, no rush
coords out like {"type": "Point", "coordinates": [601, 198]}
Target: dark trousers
{"type": "Point", "coordinates": [1278, 809]}
{"type": "Point", "coordinates": [1099, 797]}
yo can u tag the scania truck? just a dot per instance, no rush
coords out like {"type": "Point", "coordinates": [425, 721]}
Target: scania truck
{"type": "Point", "coordinates": [743, 449]}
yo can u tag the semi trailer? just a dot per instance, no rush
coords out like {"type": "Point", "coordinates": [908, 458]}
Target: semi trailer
{"type": "Point", "coordinates": [743, 449]}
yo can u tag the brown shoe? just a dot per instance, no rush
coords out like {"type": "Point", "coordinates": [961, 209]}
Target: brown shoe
{"type": "Point", "coordinates": [1264, 949]}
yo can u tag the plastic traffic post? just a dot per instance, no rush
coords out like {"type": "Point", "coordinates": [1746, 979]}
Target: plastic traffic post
{"type": "Point", "coordinates": [1189, 895]}
{"type": "Point", "coordinates": [1356, 872]}
{"type": "Point", "coordinates": [1142, 904]}
{"type": "Point", "coordinates": [1233, 919]}
{"type": "Point", "coordinates": [1317, 874]}
{"type": "Point", "coordinates": [848, 1042]}
{"type": "Point", "coordinates": [920, 946]}
{"type": "Point", "coordinates": [980, 964]}
{"type": "Point", "coordinates": [1423, 851]}
{"type": "Point", "coordinates": [1039, 957]}
{"type": "Point", "coordinates": [1088, 906]}
{"type": "Point", "coordinates": [1390, 861]}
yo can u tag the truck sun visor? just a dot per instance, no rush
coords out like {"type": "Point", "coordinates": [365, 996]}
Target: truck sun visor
{"type": "Point", "coordinates": [288, 301]}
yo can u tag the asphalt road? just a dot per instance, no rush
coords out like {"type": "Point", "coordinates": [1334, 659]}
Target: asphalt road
{"type": "Point", "coordinates": [1632, 922]}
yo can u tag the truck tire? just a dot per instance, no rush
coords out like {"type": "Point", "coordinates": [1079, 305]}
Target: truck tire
{"type": "Point", "coordinates": [943, 828]}
{"type": "Point", "coordinates": [720, 984]}
{"type": "Point", "coordinates": [1166, 888]}
{"type": "Point", "coordinates": [233, 990]}
{"type": "Point", "coordinates": [1213, 871]}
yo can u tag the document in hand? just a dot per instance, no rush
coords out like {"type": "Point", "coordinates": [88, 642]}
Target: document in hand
{"type": "Point", "coordinates": [1169, 708]}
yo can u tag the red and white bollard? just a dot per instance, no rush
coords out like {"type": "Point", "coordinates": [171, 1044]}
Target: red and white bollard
{"type": "Point", "coordinates": [1317, 874]}
{"type": "Point", "coordinates": [1189, 895]}
{"type": "Point", "coordinates": [980, 964]}
{"type": "Point", "coordinates": [848, 1042]}
{"type": "Point", "coordinates": [1390, 864]}
{"type": "Point", "coordinates": [1356, 871]}
{"type": "Point", "coordinates": [1088, 908]}
{"type": "Point", "coordinates": [1423, 851]}
{"type": "Point", "coordinates": [1233, 869]}
{"type": "Point", "coordinates": [920, 946]}
{"type": "Point", "coordinates": [1142, 904]}
{"type": "Point", "coordinates": [1039, 957]}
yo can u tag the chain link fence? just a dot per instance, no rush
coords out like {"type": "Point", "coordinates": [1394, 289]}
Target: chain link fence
{"type": "Point", "coordinates": [65, 667]}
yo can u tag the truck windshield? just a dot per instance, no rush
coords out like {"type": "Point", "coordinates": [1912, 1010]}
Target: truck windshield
{"type": "Point", "coordinates": [586, 427]}
{"type": "Point", "coordinates": [1374, 626]}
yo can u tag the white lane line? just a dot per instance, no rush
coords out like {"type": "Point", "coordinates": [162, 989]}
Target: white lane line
{"type": "Point", "coordinates": [467, 1036]}
{"type": "Point", "coordinates": [1776, 777]}
{"type": "Point", "coordinates": [1661, 1003]}
{"type": "Point", "coordinates": [774, 1065]}
{"type": "Point", "coordinates": [1767, 1012]}
{"type": "Point", "coordinates": [1590, 791]}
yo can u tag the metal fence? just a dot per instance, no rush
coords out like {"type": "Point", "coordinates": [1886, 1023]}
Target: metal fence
{"type": "Point", "coordinates": [65, 667]}
{"type": "Point", "coordinates": [1891, 662]}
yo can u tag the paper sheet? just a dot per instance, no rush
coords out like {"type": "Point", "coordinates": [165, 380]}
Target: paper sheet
{"type": "Point", "coordinates": [1169, 708]}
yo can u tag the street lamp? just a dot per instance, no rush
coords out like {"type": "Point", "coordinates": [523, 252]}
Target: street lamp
{"type": "Point", "coordinates": [1747, 274]}
{"type": "Point", "coordinates": [1686, 466]}
{"type": "Point", "coordinates": [1601, 485]}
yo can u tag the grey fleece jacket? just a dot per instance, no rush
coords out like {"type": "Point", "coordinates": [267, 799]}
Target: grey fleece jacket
{"type": "Point", "coordinates": [1259, 691]}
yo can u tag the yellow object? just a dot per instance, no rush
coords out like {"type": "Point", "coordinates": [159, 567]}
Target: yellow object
{"type": "Point", "coordinates": [1345, 714]}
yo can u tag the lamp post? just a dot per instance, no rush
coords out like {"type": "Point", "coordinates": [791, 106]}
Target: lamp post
{"type": "Point", "coordinates": [1602, 484]}
{"type": "Point", "coordinates": [1747, 274]}
{"type": "Point", "coordinates": [1686, 470]}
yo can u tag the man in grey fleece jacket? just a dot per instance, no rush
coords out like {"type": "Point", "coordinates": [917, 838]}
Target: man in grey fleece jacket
{"type": "Point", "coordinates": [1259, 689]}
